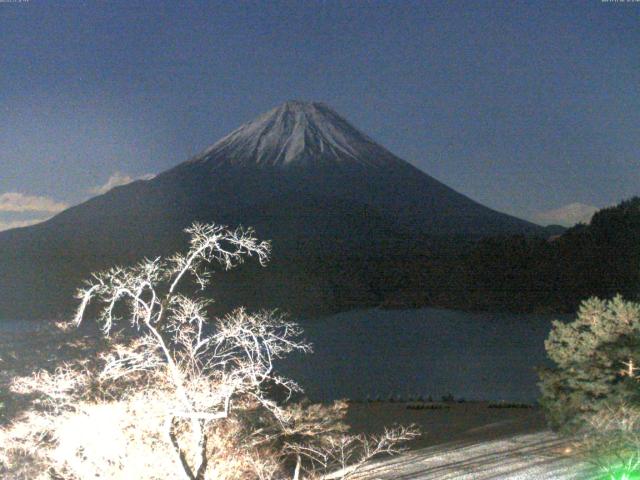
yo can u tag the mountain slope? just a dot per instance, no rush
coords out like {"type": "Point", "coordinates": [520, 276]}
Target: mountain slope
{"type": "Point", "coordinates": [307, 147]}
{"type": "Point", "coordinates": [333, 201]}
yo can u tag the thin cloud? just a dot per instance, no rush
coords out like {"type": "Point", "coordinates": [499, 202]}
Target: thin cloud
{"type": "Point", "coordinates": [16, 202]}
{"type": "Point", "coordinates": [567, 215]}
{"type": "Point", "coordinates": [116, 180]}
{"type": "Point", "coordinates": [20, 223]}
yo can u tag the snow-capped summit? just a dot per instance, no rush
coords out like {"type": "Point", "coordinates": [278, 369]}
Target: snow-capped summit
{"type": "Point", "coordinates": [298, 133]}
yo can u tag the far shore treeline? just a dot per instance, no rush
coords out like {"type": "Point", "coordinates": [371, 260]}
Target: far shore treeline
{"type": "Point", "coordinates": [532, 274]}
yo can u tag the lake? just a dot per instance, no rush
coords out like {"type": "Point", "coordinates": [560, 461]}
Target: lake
{"type": "Point", "coordinates": [475, 356]}
{"type": "Point", "coordinates": [370, 353]}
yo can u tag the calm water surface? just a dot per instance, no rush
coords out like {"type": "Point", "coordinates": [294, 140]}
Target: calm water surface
{"type": "Point", "coordinates": [371, 353]}
{"type": "Point", "coordinates": [483, 356]}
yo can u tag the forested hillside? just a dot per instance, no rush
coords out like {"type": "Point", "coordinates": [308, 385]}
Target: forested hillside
{"type": "Point", "coordinates": [527, 274]}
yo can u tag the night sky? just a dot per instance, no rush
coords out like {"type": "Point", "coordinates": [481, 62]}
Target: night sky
{"type": "Point", "coordinates": [526, 107]}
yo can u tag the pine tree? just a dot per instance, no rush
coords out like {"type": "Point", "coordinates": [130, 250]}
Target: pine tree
{"type": "Point", "coordinates": [597, 359]}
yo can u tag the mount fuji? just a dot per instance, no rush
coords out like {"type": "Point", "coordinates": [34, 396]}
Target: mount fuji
{"type": "Point", "coordinates": [344, 214]}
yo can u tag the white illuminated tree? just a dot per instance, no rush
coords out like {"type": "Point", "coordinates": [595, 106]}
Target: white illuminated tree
{"type": "Point", "coordinates": [177, 396]}
{"type": "Point", "coordinates": [203, 371]}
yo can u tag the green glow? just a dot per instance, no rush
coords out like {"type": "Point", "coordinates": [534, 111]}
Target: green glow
{"type": "Point", "coordinates": [623, 474]}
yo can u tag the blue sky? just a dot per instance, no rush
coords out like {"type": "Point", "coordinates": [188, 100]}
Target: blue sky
{"type": "Point", "coordinates": [527, 107]}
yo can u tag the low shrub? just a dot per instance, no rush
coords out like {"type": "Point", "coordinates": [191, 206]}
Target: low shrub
{"type": "Point", "coordinates": [509, 405]}
{"type": "Point", "coordinates": [427, 406]}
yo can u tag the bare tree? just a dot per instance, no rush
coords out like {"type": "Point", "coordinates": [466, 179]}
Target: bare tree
{"type": "Point", "coordinates": [203, 371]}
{"type": "Point", "coordinates": [179, 396]}
{"type": "Point", "coordinates": [341, 457]}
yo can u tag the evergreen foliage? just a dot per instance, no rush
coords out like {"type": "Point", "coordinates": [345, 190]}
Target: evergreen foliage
{"type": "Point", "coordinates": [597, 359]}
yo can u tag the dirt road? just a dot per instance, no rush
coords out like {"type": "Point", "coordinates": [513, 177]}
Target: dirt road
{"type": "Point", "coordinates": [533, 456]}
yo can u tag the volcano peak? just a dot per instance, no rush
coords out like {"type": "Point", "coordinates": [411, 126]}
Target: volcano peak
{"type": "Point", "coordinates": [298, 133]}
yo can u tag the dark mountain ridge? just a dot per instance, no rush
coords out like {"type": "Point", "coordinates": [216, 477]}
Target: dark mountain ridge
{"type": "Point", "coordinates": [338, 207]}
